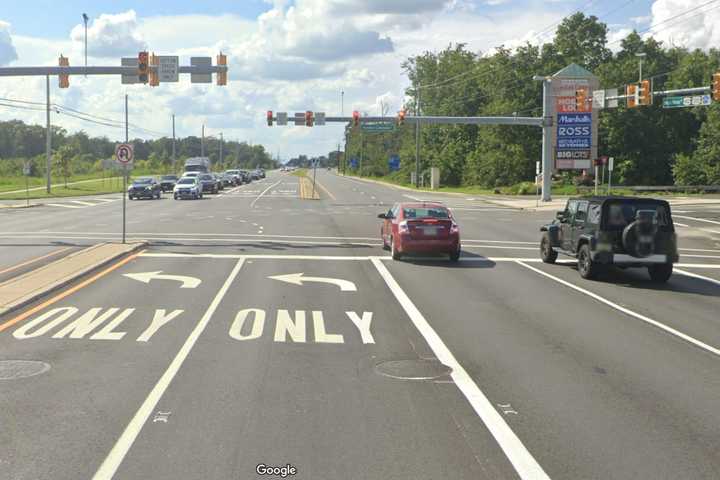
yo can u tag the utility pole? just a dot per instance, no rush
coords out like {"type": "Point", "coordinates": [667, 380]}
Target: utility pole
{"type": "Point", "coordinates": [202, 142]}
{"type": "Point", "coordinates": [417, 139]}
{"type": "Point", "coordinates": [173, 145]}
{"type": "Point", "coordinates": [85, 19]}
{"type": "Point", "coordinates": [641, 56]}
{"type": "Point", "coordinates": [48, 134]}
{"type": "Point", "coordinates": [221, 149]}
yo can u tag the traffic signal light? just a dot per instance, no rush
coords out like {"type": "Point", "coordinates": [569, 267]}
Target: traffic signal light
{"type": "Point", "coordinates": [632, 92]}
{"type": "Point", "coordinates": [142, 67]}
{"type": "Point", "coordinates": [580, 100]}
{"type": "Point", "coordinates": [63, 78]}
{"type": "Point", "coordinates": [269, 118]}
{"type": "Point", "coordinates": [308, 118]}
{"type": "Point", "coordinates": [153, 71]}
{"type": "Point", "coordinates": [716, 87]}
{"type": "Point", "coordinates": [645, 93]}
{"type": "Point", "coordinates": [401, 117]}
{"type": "Point", "coordinates": [222, 75]}
{"type": "Point", "coordinates": [356, 118]}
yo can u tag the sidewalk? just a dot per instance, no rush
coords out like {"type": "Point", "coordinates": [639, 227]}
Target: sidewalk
{"type": "Point", "coordinates": [20, 291]}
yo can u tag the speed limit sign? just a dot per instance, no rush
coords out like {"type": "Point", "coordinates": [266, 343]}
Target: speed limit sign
{"type": "Point", "coordinates": [124, 153]}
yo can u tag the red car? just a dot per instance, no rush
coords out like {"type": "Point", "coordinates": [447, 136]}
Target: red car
{"type": "Point", "coordinates": [421, 227]}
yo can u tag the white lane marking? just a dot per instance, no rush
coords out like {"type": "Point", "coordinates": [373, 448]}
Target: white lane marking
{"type": "Point", "coordinates": [106, 200]}
{"type": "Point", "coordinates": [62, 205]}
{"type": "Point", "coordinates": [705, 220]}
{"type": "Point", "coordinates": [123, 444]}
{"type": "Point", "coordinates": [86, 204]}
{"type": "Point", "coordinates": [695, 275]}
{"type": "Point", "coordinates": [502, 247]}
{"type": "Point", "coordinates": [501, 241]}
{"type": "Point", "coordinates": [299, 278]}
{"type": "Point", "coordinates": [700, 256]}
{"type": "Point", "coordinates": [680, 224]}
{"type": "Point", "coordinates": [626, 311]}
{"type": "Point", "coordinates": [525, 464]}
{"type": "Point", "coordinates": [252, 204]}
{"type": "Point", "coordinates": [699, 250]}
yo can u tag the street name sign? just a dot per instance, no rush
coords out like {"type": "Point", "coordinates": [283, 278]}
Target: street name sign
{"type": "Point", "coordinates": [168, 68]}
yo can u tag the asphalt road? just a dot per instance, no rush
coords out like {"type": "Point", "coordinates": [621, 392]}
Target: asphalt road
{"type": "Point", "coordinates": [496, 367]}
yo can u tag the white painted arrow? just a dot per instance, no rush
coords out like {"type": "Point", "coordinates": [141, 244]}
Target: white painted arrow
{"type": "Point", "coordinates": [145, 277]}
{"type": "Point", "coordinates": [298, 279]}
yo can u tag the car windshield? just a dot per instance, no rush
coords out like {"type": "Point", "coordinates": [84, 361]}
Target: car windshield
{"type": "Point", "coordinates": [142, 181]}
{"type": "Point", "coordinates": [186, 181]}
{"type": "Point", "coordinates": [206, 177]}
{"type": "Point", "coordinates": [620, 214]}
{"type": "Point", "coordinates": [426, 212]}
{"type": "Point", "coordinates": [169, 177]}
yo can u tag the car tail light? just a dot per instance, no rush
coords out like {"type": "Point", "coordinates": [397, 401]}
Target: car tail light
{"type": "Point", "coordinates": [454, 228]}
{"type": "Point", "coordinates": [403, 227]}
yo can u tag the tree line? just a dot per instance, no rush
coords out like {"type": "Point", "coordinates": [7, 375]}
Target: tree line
{"type": "Point", "coordinates": [651, 145]}
{"type": "Point", "coordinates": [80, 154]}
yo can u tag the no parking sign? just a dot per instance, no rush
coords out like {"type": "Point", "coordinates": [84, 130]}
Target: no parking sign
{"type": "Point", "coordinates": [124, 153]}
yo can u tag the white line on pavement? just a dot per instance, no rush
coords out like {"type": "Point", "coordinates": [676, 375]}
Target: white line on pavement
{"type": "Point", "coordinates": [626, 311]}
{"type": "Point", "coordinates": [503, 247]}
{"type": "Point", "coordinates": [123, 444]}
{"type": "Point", "coordinates": [525, 464]}
{"type": "Point", "coordinates": [87, 204]}
{"type": "Point", "coordinates": [698, 219]}
{"type": "Point", "coordinates": [252, 204]}
{"type": "Point", "coordinates": [63, 205]}
{"type": "Point", "coordinates": [695, 275]}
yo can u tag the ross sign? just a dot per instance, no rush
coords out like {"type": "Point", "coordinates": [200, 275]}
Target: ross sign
{"type": "Point", "coordinates": [377, 126]}
{"type": "Point", "coordinates": [124, 153]}
{"type": "Point", "coordinates": [575, 94]}
{"type": "Point", "coordinates": [200, 77]}
{"type": "Point", "coordinates": [687, 101]}
{"type": "Point", "coordinates": [168, 68]}
{"type": "Point", "coordinates": [394, 163]}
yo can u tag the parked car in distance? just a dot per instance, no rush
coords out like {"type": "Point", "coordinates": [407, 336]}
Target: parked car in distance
{"type": "Point", "coordinates": [420, 227]}
{"type": "Point", "coordinates": [208, 183]}
{"type": "Point", "coordinates": [261, 172]}
{"type": "Point", "coordinates": [144, 187]}
{"type": "Point", "coordinates": [167, 182]}
{"type": "Point", "coordinates": [612, 230]}
{"type": "Point", "coordinates": [191, 174]}
{"type": "Point", "coordinates": [187, 187]}
{"type": "Point", "coordinates": [235, 176]}
{"type": "Point", "coordinates": [255, 175]}
{"type": "Point", "coordinates": [247, 178]}
{"type": "Point", "coordinates": [218, 181]}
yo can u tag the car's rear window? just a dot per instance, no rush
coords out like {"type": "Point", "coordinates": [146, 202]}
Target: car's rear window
{"type": "Point", "coordinates": [169, 177]}
{"type": "Point", "coordinates": [426, 212]}
{"type": "Point", "coordinates": [142, 181]}
{"type": "Point", "coordinates": [186, 180]}
{"type": "Point", "coordinates": [620, 214]}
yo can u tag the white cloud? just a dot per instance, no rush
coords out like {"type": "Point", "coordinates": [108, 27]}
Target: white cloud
{"type": "Point", "coordinates": [697, 29]}
{"type": "Point", "coordinates": [7, 49]}
{"type": "Point", "coordinates": [110, 35]}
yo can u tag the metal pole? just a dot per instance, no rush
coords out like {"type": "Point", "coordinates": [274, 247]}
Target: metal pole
{"type": "Point", "coordinates": [125, 170]}
{"type": "Point", "coordinates": [547, 161]}
{"type": "Point", "coordinates": [48, 134]}
{"type": "Point", "coordinates": [173, 146]}
{"type": "Point", "coordinates": [314, 174]}
{"type": "Point", "coordinates": [609, 181]}
{"type": "Point", "coordinates": [202, 142]}
{"type": "Point", "coordinates": [641, 59]}
{"type": "Point", "coordinates": [221, 150]}
{"type": "Point", "coordinates": [596, 179]}
{"type": "Point", "coordinates": [85, 19]}
{"type": "Point", "coordinates": [417, 140]}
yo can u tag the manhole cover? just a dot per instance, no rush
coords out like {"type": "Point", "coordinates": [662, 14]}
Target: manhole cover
{"type": "Point", "coordinates": [413, 369]}
{"type": "Point", "coordinates": [13, 369]}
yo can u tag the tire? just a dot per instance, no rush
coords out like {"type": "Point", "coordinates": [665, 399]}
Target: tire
{"type": "Point", "coordinates": [660, 273]}
{"type": "Point", "coordinates": [396, 255]}
{"type": "Point", "coordinates": [175, 196]}
{"type": "Point", "coordinates": [385, 245]}
{"type": "Point", "coordinates": [547, 254]}
{"type": "Point", "coordinates": [130, 197]}
{"type": "Point", "coordinates": [201, 195]}
{"type": "Point", "coordinates": [587, 268]}
{"type": "Point", "coordinates": [455, 256]}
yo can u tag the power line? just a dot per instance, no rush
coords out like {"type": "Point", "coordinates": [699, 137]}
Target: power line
{"type": "Point", "coordinates": [22, 107]}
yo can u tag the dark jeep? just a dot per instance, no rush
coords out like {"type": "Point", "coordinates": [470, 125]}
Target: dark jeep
{"type": "Point", "coordinates": [621, 231]}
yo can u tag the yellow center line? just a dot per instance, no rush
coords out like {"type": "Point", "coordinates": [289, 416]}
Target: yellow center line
{"type": "Point", "coordinates": [33, 260]}
{"type": "Point", "coordinates": [70, 291]}
{"type": "Point", "coordinates": [326, 190]}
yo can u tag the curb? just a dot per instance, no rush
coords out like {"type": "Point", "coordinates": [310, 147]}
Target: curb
{"type": "Point", "coordinates": [25, 301]}
{"type": "Point", "coordinates": [22, 206]}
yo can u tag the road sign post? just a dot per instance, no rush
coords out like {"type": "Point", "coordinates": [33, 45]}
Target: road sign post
{"type": "Point", "coordinates": [124, 154]}
{"type": "Point", "coordinates": [611, 162]}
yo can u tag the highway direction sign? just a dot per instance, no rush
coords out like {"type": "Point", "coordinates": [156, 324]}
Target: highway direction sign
{"type": "Point", "coordinates": [168, 68]}
{"type": "Point", "coordinates": [124, 153]}
{"type": "Point", "coordinates": [687, 101]}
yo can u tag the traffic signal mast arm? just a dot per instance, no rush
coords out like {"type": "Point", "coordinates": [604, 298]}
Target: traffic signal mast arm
{"type": "Point", "coordinates": [427, 120]}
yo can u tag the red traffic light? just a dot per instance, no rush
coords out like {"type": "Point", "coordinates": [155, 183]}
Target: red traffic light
{"type": "Point", "coordinates": [142, 67]}
{"type": "Point", "coordinates": [269, 118]}
{"type": "Point", "coordinates": [356, 118]}
{"type": "Point", "coordinates": [308, 118]}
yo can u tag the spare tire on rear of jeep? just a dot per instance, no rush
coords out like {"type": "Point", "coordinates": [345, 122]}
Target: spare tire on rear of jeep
{"type": "Point", "coordinates": [638, 237]}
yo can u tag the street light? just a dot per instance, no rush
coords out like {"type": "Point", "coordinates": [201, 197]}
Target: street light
{"type": "Point", "coordinates": [640, 57]}
{"type": "Point", "coordinates": [85, 20]}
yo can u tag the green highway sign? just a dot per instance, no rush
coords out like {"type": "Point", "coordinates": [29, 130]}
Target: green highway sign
{"type": "Point", "coordinates": [378, 127]}
{"type": "Point", "coordinates": [687, 101]}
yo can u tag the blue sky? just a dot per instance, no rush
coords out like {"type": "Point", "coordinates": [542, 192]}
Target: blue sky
{"type": "Point", "coordinates": [285, 55]}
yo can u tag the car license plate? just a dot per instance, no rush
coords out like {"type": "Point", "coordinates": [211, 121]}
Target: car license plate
{"type": "Point", "coordinates": [430, 231]}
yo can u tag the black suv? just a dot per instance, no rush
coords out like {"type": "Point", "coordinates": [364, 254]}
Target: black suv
{"type": "Point", "coordinates": [167, 182]}
{"type": "Point", "coordinates": [144, 187]}
{"type": "Point", "coordinates": [621, 231]}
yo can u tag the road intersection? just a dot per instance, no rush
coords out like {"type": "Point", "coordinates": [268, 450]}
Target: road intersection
{"type": "Point", "coordinates": [258, 328]}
